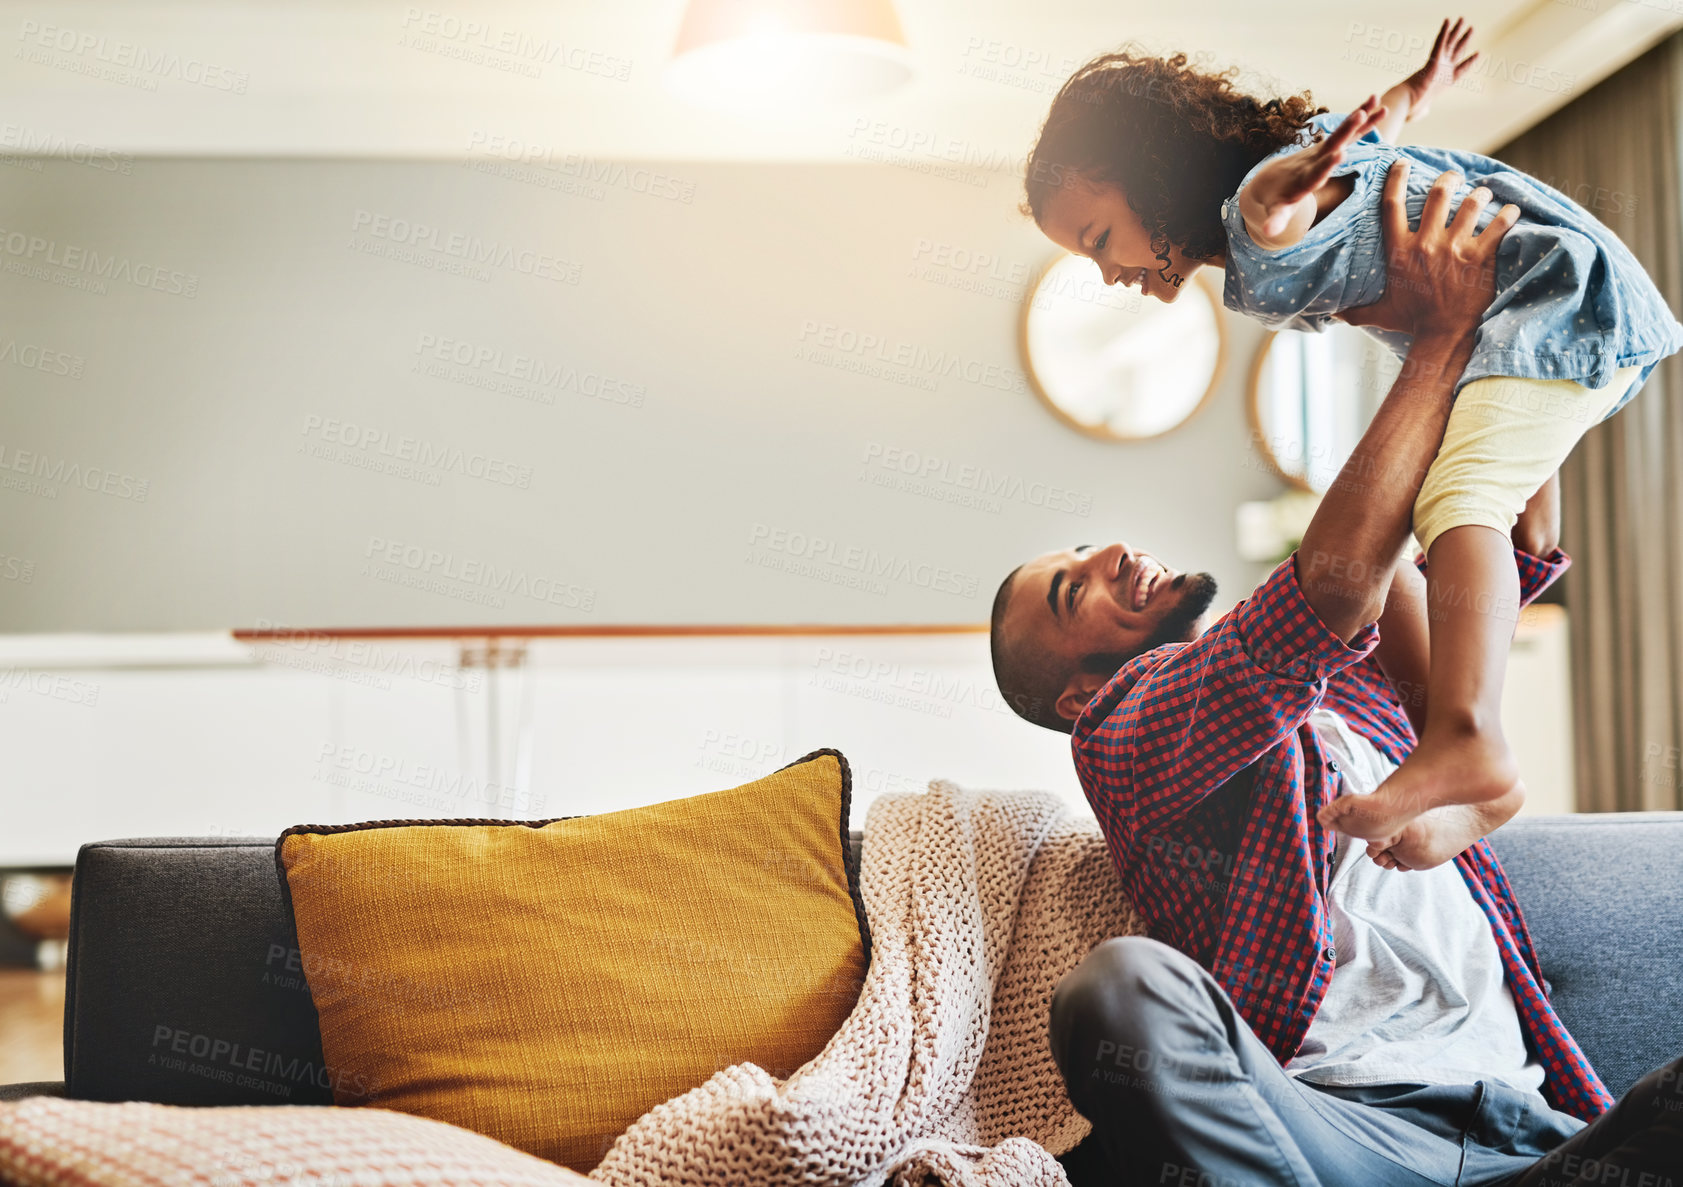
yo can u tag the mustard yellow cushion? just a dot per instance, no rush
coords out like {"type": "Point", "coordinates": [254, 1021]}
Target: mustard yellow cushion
{"type": "Point", "coordinates": [548, 983]}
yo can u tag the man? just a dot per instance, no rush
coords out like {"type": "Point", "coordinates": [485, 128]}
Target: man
{"type": "Point", "coordinates": [1311, 1009]}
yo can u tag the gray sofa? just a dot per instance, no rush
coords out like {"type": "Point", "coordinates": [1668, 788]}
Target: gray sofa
{"type": "Point", "coordinates": [184, 985]}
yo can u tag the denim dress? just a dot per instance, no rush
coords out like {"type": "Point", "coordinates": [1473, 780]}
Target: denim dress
{"type": "Point", "coordinates": [1571, 301]}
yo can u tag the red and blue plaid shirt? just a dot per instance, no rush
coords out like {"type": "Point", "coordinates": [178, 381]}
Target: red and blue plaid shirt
{"type": "Point", "coordinates": [1205, 775]}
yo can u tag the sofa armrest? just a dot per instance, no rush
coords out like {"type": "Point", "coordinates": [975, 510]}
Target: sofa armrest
{"type": "Point", "coordinates": [178, 984]}
{"type": "Point", "coordinates": [39, 1088]}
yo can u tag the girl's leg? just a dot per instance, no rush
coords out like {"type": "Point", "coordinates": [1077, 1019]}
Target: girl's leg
{"type": "Point", "coordinates": [1504, 439]}
{"type": "Point", "coordinates": [1472, 600]}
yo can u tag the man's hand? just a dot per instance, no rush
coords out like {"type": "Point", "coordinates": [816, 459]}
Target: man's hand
{"type": "Point", "coordinates": [1438, 277]}
{"type": "Point", "coordinates": [1442, 279]}
{"type": "Point", "coordinates": [1278, 204]}
{"type": "Point", "coordinates": [1537, 531]}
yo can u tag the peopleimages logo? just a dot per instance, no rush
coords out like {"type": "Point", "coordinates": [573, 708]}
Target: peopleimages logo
{"type": "Point", "coordinates": [971, 261]}
{"type": "Point", "coordinates": [470, 40]}
{"type": "Point", "coordinates": [146, 65]}
{"type": "Point", "coordinates": [40, 251]}
{"type": "Point", "coordinates": [522, 375]}
{"type": "Point", "coordinates": [43, 359]}
{"type": "Point", "coordinates": [62, 148]}
{"type": "Point", "coordinates": [51, 685]}
{"type": "Point", "coordinates": [434, 565]}
{"type": "Point", "coordinates": [293, 646]}
{"type": "Point", "coordinates": [867, 562]}
{"type": "Point", "coordinates": [592, 171]}
{"type": "Point", "coordinates": [441, 782]}
{"type": "Point", "coordinates": [826, 341]}
{"type": "Point", "coordinates": [238, 1058]}
{"type": "Point", "coordinates": [929, 469]}
{"type": "Point", "coordinates": [1388, 49]}
{"type": "Point", "coordinates": [14, 568]}
{"type": "Point", "coordinates": [1029, 68]}
{"type": "Point", "coordinates": [470, 249]}
{"type": "Point", "coordinates": [428, 454]}
{"type": "Point", "coordinates": [928, 144]}
{"type": "Point", "coordinates": [67, 473]}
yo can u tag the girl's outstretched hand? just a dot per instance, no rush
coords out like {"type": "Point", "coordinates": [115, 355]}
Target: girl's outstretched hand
{"type": "Point", "coordinates": [1443, 68]}
{"type": "Point", "coordinates": [1277, 194]}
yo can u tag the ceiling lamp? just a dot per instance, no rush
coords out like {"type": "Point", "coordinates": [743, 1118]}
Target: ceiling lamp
{"type": "Point", "coordinates": [737, 54]}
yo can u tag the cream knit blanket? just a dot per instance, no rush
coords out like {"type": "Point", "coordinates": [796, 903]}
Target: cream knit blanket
{"type": "Point", "coordinates": [978, 903]}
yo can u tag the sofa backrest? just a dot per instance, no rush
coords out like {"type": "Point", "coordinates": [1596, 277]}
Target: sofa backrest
{"type": "Point", "coordinates": [185, 981]}
{"type": "Point", "coordinates": [1603, 897]}
{"type": "Point", "coordinates": [185, 987]}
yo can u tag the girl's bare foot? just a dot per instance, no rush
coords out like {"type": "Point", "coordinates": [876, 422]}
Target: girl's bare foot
{"type": "Point", "coordinates": [1435, 837]}
{"type": "Point", "coordinates": [1460, 767]}
{"type": "Point", "coordinates": [1424, 842]}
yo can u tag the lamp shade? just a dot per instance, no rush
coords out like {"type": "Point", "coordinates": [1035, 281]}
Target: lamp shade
{"type": "Point", "coordinates": [743, 53]}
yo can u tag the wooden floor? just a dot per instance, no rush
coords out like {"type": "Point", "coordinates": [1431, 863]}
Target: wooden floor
{"type": "Point", "coordinates": [31, 1026]}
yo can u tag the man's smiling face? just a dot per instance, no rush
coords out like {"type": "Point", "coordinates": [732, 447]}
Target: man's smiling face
{"type": "Point", "coordinates": [1086, 610]}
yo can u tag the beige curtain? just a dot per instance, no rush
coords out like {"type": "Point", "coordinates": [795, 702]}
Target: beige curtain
{"type": "Point", "coordinates": [1616, 150]}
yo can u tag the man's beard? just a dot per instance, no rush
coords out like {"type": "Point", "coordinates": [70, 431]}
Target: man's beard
{"type": "Point", "coordinates": [1177, 627]}
{"type": "Point", "coordinates": [1197, 594]}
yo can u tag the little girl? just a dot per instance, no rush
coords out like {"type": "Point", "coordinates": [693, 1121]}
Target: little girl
{"type": "Point", "coordinates": [1154, 169]}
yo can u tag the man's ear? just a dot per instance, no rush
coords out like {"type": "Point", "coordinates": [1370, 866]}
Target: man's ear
{"type": "Point", "coordinates": [1078, 692]}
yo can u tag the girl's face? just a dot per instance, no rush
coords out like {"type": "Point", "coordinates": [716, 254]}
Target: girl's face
{"type": "Point", "coordinates": [1095, 220]}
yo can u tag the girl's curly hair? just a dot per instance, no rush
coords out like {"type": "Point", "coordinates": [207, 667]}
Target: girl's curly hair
{"type": "Point", "coordinates": [1177, 142]}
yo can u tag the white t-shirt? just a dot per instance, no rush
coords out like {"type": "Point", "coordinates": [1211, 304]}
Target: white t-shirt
{"type": "Point", "coordinates": [1418, 993]}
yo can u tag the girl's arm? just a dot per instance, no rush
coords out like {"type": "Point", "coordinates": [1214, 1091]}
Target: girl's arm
{"type": "Point", "coordinates": [1411, 97]}
{"type": "Point", "coordinates": [1278, 204]}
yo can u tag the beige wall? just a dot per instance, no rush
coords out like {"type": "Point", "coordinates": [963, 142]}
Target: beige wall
{"type": "Point", "coordinates": [714, 295]}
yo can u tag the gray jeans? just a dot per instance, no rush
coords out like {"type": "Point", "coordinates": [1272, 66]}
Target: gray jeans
{"type": "Point", "coordinates": [1181, 1093]}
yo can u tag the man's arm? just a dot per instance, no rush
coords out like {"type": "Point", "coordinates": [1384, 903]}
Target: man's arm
{"type": "Point", "coordinates": [1250, 680]}
{"type": "Point", "coordinates": [1412, 97]}
{"type": "Point", "coordinates": [1440, 281]}
{"type": "Point", "coordinates": [1403, 653]}
{"type": "Point", "coordinates": [1538, 529]}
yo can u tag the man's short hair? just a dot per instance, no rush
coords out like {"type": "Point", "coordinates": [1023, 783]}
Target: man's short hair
{"type": "Point", "coordinates": [1028, 679]}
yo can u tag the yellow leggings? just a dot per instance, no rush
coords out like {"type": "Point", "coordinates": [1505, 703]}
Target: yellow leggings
{"type": "Point", "coordinates": [1505, 437]}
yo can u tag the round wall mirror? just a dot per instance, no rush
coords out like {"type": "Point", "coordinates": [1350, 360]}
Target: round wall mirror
{"type": "Point", "coordinates": [1311, 398]}
{"type": "Point", "coordinates": [1114, 363]}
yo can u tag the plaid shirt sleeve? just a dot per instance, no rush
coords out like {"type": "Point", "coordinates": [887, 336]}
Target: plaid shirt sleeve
{"type": "Point", "coordinates": [1178, 722]}
{"type": "Point", "coordinates": [1536, 574]}
{"type": "Point", "coordinates": [1365, 696]}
